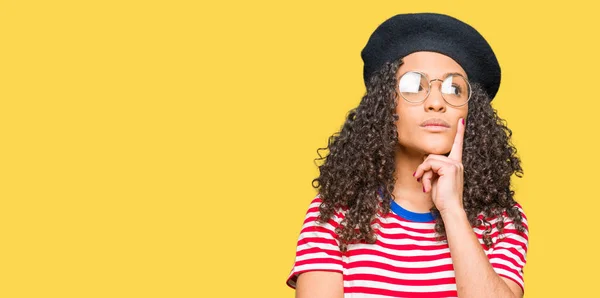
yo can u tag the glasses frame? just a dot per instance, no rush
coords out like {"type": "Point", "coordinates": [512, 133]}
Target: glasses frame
{"type": "Point", "coordinates": [440, 88]}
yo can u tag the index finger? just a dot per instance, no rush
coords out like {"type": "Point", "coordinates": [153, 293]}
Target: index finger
{"type": "Point", "coordinates": [456, 152]}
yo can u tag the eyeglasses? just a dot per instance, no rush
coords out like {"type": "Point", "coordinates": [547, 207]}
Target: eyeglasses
{"type": "Point", "coordinates": [415, 87]}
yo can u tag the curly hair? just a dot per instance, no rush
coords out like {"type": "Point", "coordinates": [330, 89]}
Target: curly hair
{"type": "Point", "coordinates": [360, 164]}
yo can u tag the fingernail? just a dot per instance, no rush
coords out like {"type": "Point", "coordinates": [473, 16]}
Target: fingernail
{"type": "Point", "coordinates": [463, 121]}
{"type": "Point", "coordinates": [419, 179]}
{"type": "Point", "coordinates": [414, 173]}
{"type": "Point", "coordinates": [423, 188]}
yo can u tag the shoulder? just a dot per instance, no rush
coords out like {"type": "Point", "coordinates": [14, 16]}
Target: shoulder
{"type": "Point", "coordinates": [315, 224]}
{"type": "Point", "coordinates": [513, 215]}
{"type": "Point", "coordinates": [511, 223]}
{"type": "Point", "coordinates": [509, 215]}
{"type": "Point", "coordinates": [509, 252]}
{"type": "Point", "coordinates": [314, 210]}
{"type": "Point", "coordinates": [514, 226]}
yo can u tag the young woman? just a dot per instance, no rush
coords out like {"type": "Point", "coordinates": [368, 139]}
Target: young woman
{"type": "Point", "coordinates": [415, 196]}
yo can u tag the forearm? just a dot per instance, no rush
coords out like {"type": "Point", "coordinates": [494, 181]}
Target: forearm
{"type": "Point", "coordinates": [475, 276]}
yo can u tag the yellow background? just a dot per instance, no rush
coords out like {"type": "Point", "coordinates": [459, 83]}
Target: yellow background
{"type": "Point", "coordinates": [165, 148]}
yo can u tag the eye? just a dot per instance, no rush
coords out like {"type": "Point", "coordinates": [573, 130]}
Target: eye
{"type": "Point", "coordinates": [411, 82]}
{"type": "Point", "coordinates": [452, 85]}
{"type": "Point", "coordinates": [456, 90]}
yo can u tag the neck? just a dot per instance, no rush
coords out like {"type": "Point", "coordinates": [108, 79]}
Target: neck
{"type": "Point", "coordinates": [407, 190]}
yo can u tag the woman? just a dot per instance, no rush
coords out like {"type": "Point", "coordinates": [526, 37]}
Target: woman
{"type": "Point", "coordinates": [414, 195]}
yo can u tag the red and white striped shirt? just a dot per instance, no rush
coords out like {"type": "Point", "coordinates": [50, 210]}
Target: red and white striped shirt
{"type": "Point", "coordinates": [406, 260]}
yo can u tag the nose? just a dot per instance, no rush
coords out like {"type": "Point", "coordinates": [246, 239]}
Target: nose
{"type": "Point", "coordinates": [435, 101]}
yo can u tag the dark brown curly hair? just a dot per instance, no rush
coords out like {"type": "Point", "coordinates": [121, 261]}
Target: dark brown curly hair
{"type": "Point", "coordinates": [361, 162]}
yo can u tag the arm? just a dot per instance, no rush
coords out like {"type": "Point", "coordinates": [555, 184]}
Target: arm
{"type": "Point", "coordinates": [317, 270]}
{"type": "Point", "coordinates": [475, 276]}
{"type": "Point", "coordinates": [320, 284]}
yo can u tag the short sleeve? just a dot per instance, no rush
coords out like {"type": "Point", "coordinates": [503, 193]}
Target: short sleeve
{"type": "Point", "coordinates": [318, 247]}
{"type": "Point", "coordinates": [510, 251]}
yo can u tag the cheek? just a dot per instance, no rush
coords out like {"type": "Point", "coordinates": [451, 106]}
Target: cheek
{"type": "Point", "coordinates": [406, 124]}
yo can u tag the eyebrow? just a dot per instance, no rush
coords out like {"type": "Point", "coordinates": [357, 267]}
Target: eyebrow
{"type": "Point", "coordinates": [443, 76]}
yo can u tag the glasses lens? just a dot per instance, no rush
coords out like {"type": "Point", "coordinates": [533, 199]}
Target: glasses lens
{"type": "Point", "coordinates": [455, 89]}
{"type": "Point", "coordinates": [413, 86]}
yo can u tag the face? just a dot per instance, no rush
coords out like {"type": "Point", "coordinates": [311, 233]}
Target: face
{"type": "Point", "coordinates": [428, 139]}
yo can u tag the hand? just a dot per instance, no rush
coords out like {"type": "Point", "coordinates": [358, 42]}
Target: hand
{"type": "Point", "coordinates": [443, 176]}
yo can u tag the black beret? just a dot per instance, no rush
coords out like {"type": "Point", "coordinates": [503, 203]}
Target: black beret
{"type": "Point", "coordinates": [404, 34]}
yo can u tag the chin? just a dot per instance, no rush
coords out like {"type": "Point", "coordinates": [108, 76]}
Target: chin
{"type": "Point", "coordinates": [429, 145]}
{"type": "Point", "coordinates": [436, 145]}
{"type": "Point", "coordinates": [441, 149]}
{"type": "Point", "coordinates": [437, 152]}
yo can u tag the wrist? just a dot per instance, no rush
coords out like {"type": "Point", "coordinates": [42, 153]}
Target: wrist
{"type": "Point", "coordinates": [452, 213]}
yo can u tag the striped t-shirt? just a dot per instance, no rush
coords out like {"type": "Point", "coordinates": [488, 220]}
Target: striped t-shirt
{"type": "Point", "coordinates": [406, 260]}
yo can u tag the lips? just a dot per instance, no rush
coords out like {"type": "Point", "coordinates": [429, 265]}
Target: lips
{"type": "Point", "coordinates": [435, 122]}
